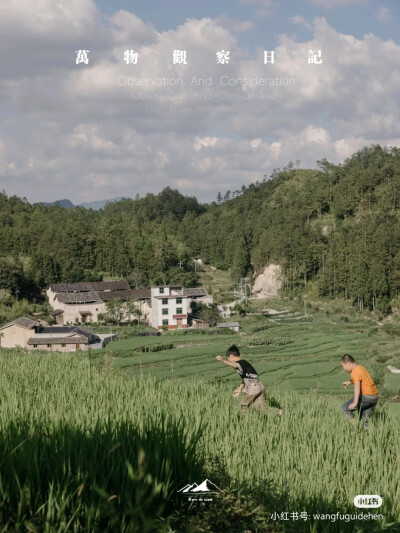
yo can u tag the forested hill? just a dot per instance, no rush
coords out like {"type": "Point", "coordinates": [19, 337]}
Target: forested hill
{"type": "Point", "coordinates": [337, 227]}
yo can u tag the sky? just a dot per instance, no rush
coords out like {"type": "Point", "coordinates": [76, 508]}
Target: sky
{"type": "Point", "coordinates": [105, 128]}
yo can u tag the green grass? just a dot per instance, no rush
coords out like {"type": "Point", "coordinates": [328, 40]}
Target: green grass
{"type": "Point", "coordinates": [298, 355]}
{"type": "Point", "coordinates": [102, 441]}
{"type": "Point", "coordinates": [218, 283]}
{"type": "Point", "coordinates": [84, 448]}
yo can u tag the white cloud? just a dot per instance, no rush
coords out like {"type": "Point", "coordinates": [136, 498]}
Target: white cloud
{"type": "Point", "coordinates": [129, 29]}
{"type": "Point", "coordinates": [235, 25]}
{"type": "Point", "coordinates": [312, 134]}
{"type": "Point", "coordinates": [44, 16]}
{"type": "Point", "coordinates": [199, 142]}
{"type": "Point", "coordinates": [82, 136]}
{"type": "Point", "coordinates": [347, 146]}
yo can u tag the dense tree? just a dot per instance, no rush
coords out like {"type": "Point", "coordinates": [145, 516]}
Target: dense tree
{"type": "Point", "coordinates": [338, 226]}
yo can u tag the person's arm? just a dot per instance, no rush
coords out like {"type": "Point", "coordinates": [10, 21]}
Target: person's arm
{"type": "Point", "coordinates": [357, 388]}
{"type": "Point", "coordinates": [236, 392]}
{"type": "Point", "coordinates": [346, 384]}
{"type": "Point", "coordinates": [233, 365]}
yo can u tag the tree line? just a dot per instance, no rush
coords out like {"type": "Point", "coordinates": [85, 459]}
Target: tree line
{"type": "Point", "coordinates": [335, 229]}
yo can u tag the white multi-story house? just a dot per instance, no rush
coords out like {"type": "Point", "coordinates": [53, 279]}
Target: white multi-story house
{"type": "Point", "coordinates": [169, 306]}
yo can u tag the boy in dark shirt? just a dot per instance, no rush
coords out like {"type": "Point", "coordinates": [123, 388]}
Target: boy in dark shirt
{"type": "Point", "coordinates": [253, 388]}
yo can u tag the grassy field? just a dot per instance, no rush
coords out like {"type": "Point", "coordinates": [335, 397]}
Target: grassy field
{"type": "Point", "coordinates": [103, 441]}
{"type": "Point", "coordinates": [296, 352]}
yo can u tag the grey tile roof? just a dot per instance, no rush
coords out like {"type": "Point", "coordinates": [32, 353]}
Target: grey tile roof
{"type": "Point", "coordinates": [104, 291]}
{"type": "Point", "coordinates": [78, 297]}
{"type": "Point", "coordinates": [228, 325]}
{"type": "Point", "coordinates": [141, 293]}
{"type": "Point", "coordinates": [25, 323]}
{"type": "Point", "coordinates": [110, 286]}
{"type": "Point", "coordinates": [70, 287]}
{"type": "Point", "coordinates": [58, 340]}
{"type": "Point", "coordinates": [165, 286]}
{"type": "Point", "coordinates": [106, 296]}
{"type": "Point", "coordinates": [196, 291]}
{"type": "Point", "coordinates": [90, 286]}
{"type": "Point", "coordinates": [71, 330]}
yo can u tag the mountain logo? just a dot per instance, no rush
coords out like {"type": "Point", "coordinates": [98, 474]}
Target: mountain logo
{"type": "Point", "coordinates": [193, 489]}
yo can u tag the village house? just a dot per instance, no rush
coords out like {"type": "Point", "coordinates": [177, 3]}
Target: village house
{"type": "Point", "coordinates": [16, 334]}
{"type": "Point", "coordinates": [32, 335]}
{"type": "Point", "coordinates": [234, 326]}
{"type": "Point", "coordinates": [170, 305]}
{"type": "Point", "coordinates": [84, 302]}
{"type": "Point", "coordinates": [75, 303]}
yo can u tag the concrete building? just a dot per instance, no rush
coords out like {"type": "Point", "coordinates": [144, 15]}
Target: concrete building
{"type": "Point", "coordinates": [169, 306]}
{"type": "Point", "coordinates": [26, 333]}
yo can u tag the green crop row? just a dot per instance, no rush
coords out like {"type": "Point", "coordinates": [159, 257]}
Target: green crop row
{"type": "Point", "coordinates": [84, 449]}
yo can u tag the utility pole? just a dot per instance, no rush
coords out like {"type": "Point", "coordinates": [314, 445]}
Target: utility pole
{"type": "Point", "coordinates": [180, 264]}
{"type": "Point", "coordinates": [242, 286]}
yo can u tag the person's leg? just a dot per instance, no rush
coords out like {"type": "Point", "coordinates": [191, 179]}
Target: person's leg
{"type": "Point", "coordinates": [260, 403]}
{"type": "Point", "coordinates": [367, 405]}
{"type": "Point", "coordinates": [345, 409]}
{"type": "Point", "coordinates": [246, 401]}
{"type": "Point", "coordinates": [260, 400]}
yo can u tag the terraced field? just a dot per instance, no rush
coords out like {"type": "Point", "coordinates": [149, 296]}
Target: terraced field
{"type": "Point", "coordinates": [103, 441]}
{"type": "Point", "coordinates": [290, 351]}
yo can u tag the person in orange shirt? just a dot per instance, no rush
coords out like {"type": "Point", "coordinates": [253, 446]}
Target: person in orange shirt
{"type": "Point", "coordinates": [365, 392]}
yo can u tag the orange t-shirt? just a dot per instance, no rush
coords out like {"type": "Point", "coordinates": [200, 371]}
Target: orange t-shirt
{"type": "Point", "coordinates": [367, 386]}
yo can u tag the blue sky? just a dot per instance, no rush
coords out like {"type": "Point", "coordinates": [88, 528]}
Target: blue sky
{"type": "Point", "coordinates": [71, 131]}
{"type": "Point", "coordinates": [355, 18]}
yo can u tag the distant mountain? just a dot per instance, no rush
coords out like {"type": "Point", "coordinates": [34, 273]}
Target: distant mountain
{"type": "Point", "coordinates": [99, 204]}
{"type": "Point", "coordinates": [64, 203]}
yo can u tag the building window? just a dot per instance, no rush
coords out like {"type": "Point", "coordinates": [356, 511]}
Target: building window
{"type": "Point", "coordinates": [165, 301]}
{"type": "Point", "coordinates": [161, 290]}
{"type": "Point", "coordinates": [179, 310]}
{"type": "Point", "coordinates": [165, 322]}
{"type": "Point", "coordinates": [63, 345]}
{"type": "Point", "coordinates": [49, 346]}
{"type": "Point", "coordinates": [179, 300]}
{"type": "Point", "coordinates": [165, 311]}
{"type": "Point", "coordinates": [35, 345]}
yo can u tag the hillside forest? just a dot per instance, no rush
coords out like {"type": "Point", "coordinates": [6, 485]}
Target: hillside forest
{"type": "Point", "coordinates": [334, 231]}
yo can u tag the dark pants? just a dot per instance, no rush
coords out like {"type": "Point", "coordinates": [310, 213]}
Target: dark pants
{"type": "Point", "coordinates": [366, 403]}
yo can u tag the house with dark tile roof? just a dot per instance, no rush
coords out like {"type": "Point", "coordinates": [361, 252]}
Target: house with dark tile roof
{"type": "Point", "coordinates": [32, 335]}
{"type": "Point", "coordinates": [83, 302]}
